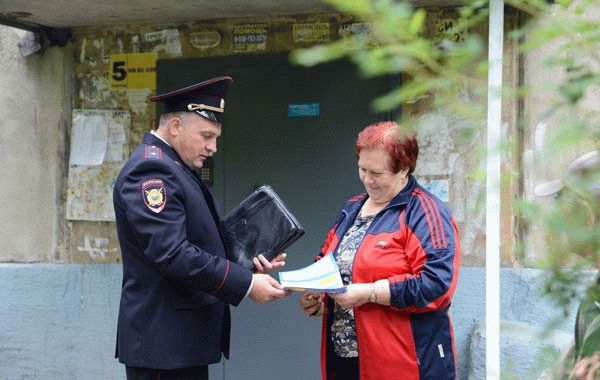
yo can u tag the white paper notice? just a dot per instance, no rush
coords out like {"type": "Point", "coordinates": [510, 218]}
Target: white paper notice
{"type": "Point", "coordinates": [116, 139]}
{"type": "Point", "coordinates": [167, 39]}
{"type": "Point", "coordinates": [88, 139]}
{"type": "Point", "coordinates": [322, 276]}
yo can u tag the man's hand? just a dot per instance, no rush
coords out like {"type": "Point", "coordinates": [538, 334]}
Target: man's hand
{"type": "Point", "coordinates": [265, 288]}
{"type": "Point", "coordinates": [354, 296]}
{"type": "Point", "coordinates": [265, 266]}
{"type": "Point", "coordinates": [587, 368]}
{"type": "Point", "coordinates": [312, 303]}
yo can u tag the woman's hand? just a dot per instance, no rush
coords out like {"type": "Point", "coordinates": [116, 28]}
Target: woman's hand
{"type": "Point", "coordinates": [354, 296]}
{"type": "Point", "coordinates": [358, 294]}
{"type": "Point", "coordinates": [312, 303]}
{"type": "Point", "coordinates": [263, 265]}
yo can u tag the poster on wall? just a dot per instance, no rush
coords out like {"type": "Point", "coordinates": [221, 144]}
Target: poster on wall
{"type": "Point", "coordinates": [249, 37]}
{"type": "Point", "coordinates": [437, 185]}
{"type": "Point", "coordinates": [206, 39]}
{"type": "Point", "coordinates": [166, 40]}
{"type": "Point", "coordinates": [98, 150]}
{"type": "Point", "coordinates": [311, 32]}
{"type": "Point", "coordinates": [355, 29]}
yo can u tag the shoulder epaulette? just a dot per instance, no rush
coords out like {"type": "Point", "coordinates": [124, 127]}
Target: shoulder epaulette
{"type": "Point", "coordinates": [153, 152]}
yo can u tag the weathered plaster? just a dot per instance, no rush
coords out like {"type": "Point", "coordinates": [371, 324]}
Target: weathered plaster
{"type": "Point", "coordinates": [33, 149]}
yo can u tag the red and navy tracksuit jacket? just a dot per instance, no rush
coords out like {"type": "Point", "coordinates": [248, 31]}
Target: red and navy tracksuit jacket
{"type": "Point", "coordinates": [414, 244]}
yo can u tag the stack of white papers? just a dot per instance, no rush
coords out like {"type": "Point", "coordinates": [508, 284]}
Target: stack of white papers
{"type": "Point", "coordinates": [322, 276]}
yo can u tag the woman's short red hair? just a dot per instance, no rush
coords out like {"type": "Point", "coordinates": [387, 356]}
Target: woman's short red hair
{"type": "Point", "coordinates": [400, 144]}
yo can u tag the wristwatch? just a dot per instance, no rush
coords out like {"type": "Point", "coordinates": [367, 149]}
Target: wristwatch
{"type": "Point", "coordinates": [372, 294]}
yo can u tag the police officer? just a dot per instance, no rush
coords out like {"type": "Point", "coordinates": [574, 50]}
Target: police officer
{"type": "Point", "coordinates": [177, 281]}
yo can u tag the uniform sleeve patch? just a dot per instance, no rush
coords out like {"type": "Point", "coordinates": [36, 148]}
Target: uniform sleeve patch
{"type": "Point", "coordinates": [154, 193]}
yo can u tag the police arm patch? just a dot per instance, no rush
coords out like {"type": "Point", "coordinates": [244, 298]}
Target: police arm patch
{"type": "Point", "coordinates": [154, 194]}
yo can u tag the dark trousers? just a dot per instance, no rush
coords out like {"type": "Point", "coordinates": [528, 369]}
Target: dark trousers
{"type": "Point", "coordinates": [195, 373]}
{"type": "Point", "coordinates": [344, 368]}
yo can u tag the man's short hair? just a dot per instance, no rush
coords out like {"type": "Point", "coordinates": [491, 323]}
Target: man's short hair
{"type": "Point", "coordinates": [165, 117]}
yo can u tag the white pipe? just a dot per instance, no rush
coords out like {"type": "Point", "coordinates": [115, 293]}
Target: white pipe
{"type": "Point", "coordinates": [492, 218]}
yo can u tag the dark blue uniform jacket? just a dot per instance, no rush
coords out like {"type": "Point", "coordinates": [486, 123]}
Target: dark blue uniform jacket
{"type": "Point", "coordinates": [177, 281]}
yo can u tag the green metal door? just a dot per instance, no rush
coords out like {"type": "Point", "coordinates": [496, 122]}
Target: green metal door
{"type": "Point", "coordinates": [292, 128]}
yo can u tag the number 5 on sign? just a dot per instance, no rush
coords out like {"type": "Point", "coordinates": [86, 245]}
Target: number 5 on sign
{"type": "Point", "coordinates": [132, 71]}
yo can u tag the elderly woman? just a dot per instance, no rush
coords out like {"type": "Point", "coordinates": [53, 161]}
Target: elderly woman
{"type": "Point", "coordinates": [398, 253]}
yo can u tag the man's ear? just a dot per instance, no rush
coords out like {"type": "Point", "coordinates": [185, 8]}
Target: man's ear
{"type": "Point", "coordinates": [174, 126]}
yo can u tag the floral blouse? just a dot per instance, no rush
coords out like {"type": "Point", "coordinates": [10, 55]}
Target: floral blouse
{"type": "Point", "coordinates": [343, 329]}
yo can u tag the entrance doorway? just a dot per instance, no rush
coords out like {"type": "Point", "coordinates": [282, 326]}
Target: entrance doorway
{"type": "Point", "coordinates": [293, 128]}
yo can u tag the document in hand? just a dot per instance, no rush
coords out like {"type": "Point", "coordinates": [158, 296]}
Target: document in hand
{"type": "Point", "coordinates": [261, 224]}
{"type": "Point", "coordinates": [322, 276]}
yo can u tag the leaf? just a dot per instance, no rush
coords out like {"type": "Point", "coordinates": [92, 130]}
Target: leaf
{"type": "Point", "coordinates": [591, 339]}
{"type": "Point", "coordinates": [417, 22]}
{"type": "Point", "coordinates": [355, 7]}
{"type": "Point", "coordinates": [322, 53]}
{"type": "Point", "coordinates": [564, 3]}
{"type": "Point", "coordinates": [575, 87]}
{"type": "Point", "coordinates": [407, 92]}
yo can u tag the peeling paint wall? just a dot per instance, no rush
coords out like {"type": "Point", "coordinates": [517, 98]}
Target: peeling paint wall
{"type": "Point", "coordinates": [35, 104]}
{"type": "Point", "coordinates": [443, 158]}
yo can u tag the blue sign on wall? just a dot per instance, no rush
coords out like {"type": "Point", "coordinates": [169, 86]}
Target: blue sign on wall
{"type": "Point", "coordinates": [303, 109]}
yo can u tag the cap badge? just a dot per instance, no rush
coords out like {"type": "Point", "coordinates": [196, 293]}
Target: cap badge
{"type": "Point", "coordinates": [154, 194]}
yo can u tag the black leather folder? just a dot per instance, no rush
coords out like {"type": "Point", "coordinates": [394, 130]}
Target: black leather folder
{"type": "Point", "coordinates": [260, 224]}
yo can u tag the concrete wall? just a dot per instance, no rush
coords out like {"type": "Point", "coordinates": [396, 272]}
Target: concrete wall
{"type": "Point", "coordinates": [59, 322]}
{"type": "Point", "coordinates": [35, 119]}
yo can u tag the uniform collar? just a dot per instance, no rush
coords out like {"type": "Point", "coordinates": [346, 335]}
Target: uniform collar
{"type": "Point", "coordinates": [161, 139]}
{"type": "Point", "coordinates": [152, 139]}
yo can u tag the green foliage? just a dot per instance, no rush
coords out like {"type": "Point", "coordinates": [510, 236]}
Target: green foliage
{"type": "Point", "coordinates": [397, 44]}
{"type": "Point", "coordinates": [591, 339]}
{"type": "Point", "coordinates": [575, 87]}
{"type": "Point", "coordinates": [437, 68]}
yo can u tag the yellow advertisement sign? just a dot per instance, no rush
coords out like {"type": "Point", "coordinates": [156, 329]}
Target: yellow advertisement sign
{"type": "Point", "coordinates": [133, 71]}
